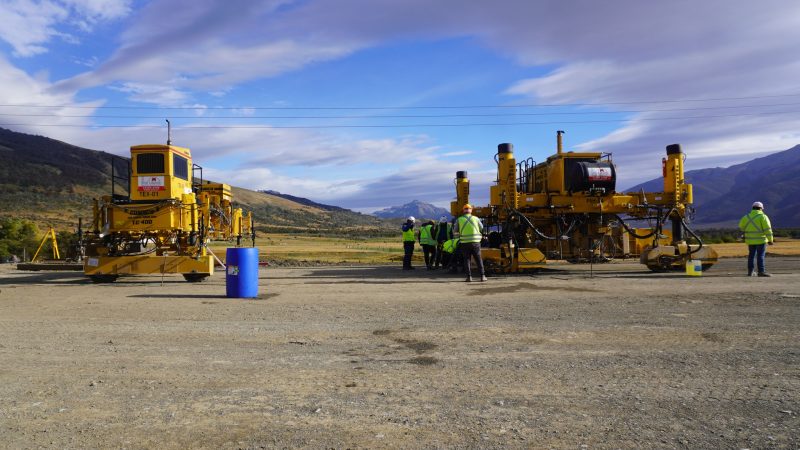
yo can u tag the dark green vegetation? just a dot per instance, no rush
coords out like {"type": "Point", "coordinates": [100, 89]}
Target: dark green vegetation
{"type": "Point", "coordinates": [723, 195]}
{"type": "Point", "coordinates": [21, 238]}
{"type": "Point", "coordinates": [53, 183]}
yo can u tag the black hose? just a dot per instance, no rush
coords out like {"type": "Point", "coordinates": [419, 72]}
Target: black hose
{"type": "Point", "coordinates": [632, 233]}
{"type": "Point", "coordinates": [532, 226]}
{"type": "Point", "coordinates": [699, 241]}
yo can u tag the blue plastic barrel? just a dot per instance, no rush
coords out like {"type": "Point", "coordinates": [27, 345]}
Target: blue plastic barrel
{"type": "Point", "coordinates": [241, 274]}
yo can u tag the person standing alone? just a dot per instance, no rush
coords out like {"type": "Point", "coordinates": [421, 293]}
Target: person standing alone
{"type": "Point", "coordinates": [757, 234]}
{"type": "Point", "coordinates": [408, 242]}
{"type": "Point", "coordinates": [469, 230]}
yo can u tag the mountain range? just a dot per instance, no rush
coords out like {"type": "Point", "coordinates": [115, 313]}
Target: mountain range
{"type": "Point", "coordinates": [416, 208]}
{"type": "Point", "coordinates": [53, 183]}
{"type": "Point", "coordinates": [722, 195]}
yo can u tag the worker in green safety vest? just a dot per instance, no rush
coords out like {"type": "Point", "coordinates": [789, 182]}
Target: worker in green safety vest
{"type": "Point", "coordinates": [408, 242]}
{"type": "Point", "coordinates": [428, 243]}
{"type": "Point", "coordinates": [757, 234]}
{"type": "Point", "coordinates": [469, 230]}
{"type": "Point", "coordinates": [442, 232]}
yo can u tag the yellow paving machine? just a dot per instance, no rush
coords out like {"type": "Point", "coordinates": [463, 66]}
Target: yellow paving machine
{"type": "Point", "coordinates": [165, 220]}
{"type": "Point", "coordinates": [567, 208]}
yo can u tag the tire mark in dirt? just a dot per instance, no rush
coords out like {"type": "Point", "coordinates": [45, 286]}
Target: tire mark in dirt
{"type": "Point", "coordinates": [488, 290]}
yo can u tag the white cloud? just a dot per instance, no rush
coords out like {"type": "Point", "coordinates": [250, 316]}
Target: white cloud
{"type": "Point", "coordinates": [100, 10]}
{"type": "Point", "coordinates": [157, 94]}
{"type": "Point", "coordinates": [18, 88]}
{"type": "Point", "coordinates": [261, 178]}
{"type": "Point", "coordinates": [28, 25]}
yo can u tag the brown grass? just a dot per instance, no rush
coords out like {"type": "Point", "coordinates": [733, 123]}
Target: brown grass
{"type": "Point", "coordinates": [329, 249]}
{"type": "Point", "coordinates": [782, 247]}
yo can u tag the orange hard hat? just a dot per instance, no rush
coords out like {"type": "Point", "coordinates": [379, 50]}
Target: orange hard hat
{"type": "Point", "coordinates": [467, 206]}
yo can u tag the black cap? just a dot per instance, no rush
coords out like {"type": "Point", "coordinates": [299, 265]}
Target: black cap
{"type": "Point", "coordinates": [461, 174]}
{"type": "Point", "coordinates": [674, 149]}
{"type": "Point", "coordinates": [505, 148]}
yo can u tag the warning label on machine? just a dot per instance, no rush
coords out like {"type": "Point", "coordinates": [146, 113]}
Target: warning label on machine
{"type": "Point", "coordinates": [152, 183]}
{"type": "Point", "coordinates": [599, 174]}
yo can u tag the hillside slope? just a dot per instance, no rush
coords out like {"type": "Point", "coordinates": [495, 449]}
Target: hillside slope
{"type": "Point", "coordinates": [304, 201]}
{"type": "Point", "coordinates": [723, 195]}
{"type": "Point", "coordinates": [53, 183]}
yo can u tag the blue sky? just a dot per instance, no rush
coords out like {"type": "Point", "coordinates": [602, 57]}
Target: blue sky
{"type": "Point", "coordinates": [718, 76]}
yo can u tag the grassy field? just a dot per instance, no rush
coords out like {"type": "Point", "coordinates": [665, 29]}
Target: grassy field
{"type": "Point", "coordinates": [289, 247]}
{"type": "Point", "coordinates": [782, 247]}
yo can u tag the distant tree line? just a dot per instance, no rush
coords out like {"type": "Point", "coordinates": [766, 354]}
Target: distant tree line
{"type": "Point", "coordinates": [20, 238]}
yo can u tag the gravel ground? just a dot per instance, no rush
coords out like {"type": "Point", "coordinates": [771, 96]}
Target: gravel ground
{"type": "Point", "coordinates": [377, 357]}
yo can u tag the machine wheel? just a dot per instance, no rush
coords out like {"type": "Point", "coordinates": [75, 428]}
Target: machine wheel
{"type": "Point", "coordinates": [103, 278]}
{"type": "Point", "coordinates": [491, 268]}
{"type": "Point", "coordinates": [663, 264]}
{"type": "Point", "coordinates": [195, 277]}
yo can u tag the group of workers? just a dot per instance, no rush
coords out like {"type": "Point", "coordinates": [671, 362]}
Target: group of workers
{"type": "Point", "coordinates": [446, 244]}
{"type": "Point", "coordinates": [453, 244]}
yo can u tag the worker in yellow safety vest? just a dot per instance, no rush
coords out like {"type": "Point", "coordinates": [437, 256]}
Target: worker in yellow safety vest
{"type": "Point", "coordinates": [757, 234]}
{"type": "Point", "coordinates": [469, 230]}
{"type": "Point", "coordinates": [449, 247]}
{"type": "Point", "coordinates": [428, 243]}
{"type": "Point", "coordinates": [408, 242]}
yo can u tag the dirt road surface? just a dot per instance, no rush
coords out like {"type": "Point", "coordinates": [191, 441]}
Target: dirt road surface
{"type": "Point", "coordinates": [376, 357]}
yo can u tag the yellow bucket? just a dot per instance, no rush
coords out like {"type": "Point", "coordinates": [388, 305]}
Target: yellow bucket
{"type": "Point", "coordinates": [694, 268]}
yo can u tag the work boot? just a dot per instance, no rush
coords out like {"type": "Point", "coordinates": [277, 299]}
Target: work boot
{"type": "Point", "coordinates": [764, 274]}
{"type": "Point", "coordinates": [483, 278]}
{"type": "Point", "coordinates": [468, 280]}
{"type": "Point", "coordinates": [751, 274]}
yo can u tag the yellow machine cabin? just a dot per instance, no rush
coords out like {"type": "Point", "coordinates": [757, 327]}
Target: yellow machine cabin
{"type": "Point", "coordinates": [567, 208]}
{"type": "Point", "coordinates": [164, 222]}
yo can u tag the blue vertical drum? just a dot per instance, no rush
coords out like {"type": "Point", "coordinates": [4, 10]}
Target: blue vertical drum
{"type": "Point", "coordinates": [241, 274]}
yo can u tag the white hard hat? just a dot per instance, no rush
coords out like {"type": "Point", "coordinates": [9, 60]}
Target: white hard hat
{"type": "Point", "coordinates": [411, 219]}
{"type": "Point", "coordinates": [758, 205]}
{"type": "Point", "coordinates": [443, 219]}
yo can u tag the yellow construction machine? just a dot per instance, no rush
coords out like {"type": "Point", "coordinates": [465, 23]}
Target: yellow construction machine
{"type": "Point", "coordinates": [165, 221]}
{"type": "Point", "coordinates": [567, 208]}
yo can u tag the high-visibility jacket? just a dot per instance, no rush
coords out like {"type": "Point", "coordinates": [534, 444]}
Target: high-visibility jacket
{"type": "Point", "coordinates": [426, 235]}
{"type": "Point", "coordinates": [469, 229]}
{"type": "Point", "coordinates": [443, 231]}
{"type": "Point", "coordinates": [408, 233]}
{"type": "Point", "coordinates": [756, 228]}
{"type": "Point", "coordinates": [450, 245]}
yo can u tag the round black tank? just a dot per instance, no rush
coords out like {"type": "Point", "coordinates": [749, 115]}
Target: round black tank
{"type": "Point", "coordinates": [505, 148]}
{"type": "Point", "coordinates": [674, 149]}
{"type": "Point", "coordinates": [592, 175]}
